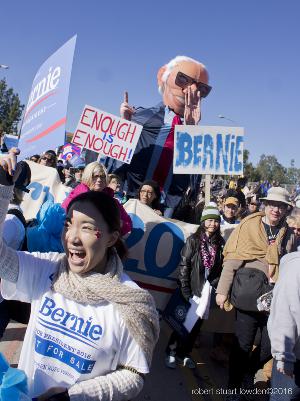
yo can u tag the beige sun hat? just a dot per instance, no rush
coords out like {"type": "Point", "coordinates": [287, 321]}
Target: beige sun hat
{"type": "Point", "coordinates": [278, 194]}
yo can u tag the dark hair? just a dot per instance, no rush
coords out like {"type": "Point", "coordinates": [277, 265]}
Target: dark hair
{"type": "Point", "coordinates": [216, 238]}
{"type": "Point", "coordinates": [51, 152]}
{"type": "Point", "coordinates": [52, 155]}
{"type": "Point", "coordinates": [110, 177]}
{"type": "Point", "coordinates": [241, 182]}
{"type": "Point", "coordinates": [231, 193]}
{"type": "Point", "coordinates": [35, 157]}
{"type": "Point", "coordinates": [24, 177]}
{"type": "Point", "coordinates": [154, 185]}
{"type": "Point", "coordinates": [109, 210]}
{"type": "Point", "coordinates": [250, 198]}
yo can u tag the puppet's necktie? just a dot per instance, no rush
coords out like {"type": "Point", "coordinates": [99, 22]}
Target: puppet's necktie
{"type": "Point", "coordinates": [166, 159]}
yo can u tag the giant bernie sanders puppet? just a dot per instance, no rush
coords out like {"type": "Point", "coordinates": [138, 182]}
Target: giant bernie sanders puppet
{"type": "Point", "coordinates": [183, 82]}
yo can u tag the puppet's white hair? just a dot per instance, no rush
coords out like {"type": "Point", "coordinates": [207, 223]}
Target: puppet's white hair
{"type": "Point", "coordinates": [171, 65]}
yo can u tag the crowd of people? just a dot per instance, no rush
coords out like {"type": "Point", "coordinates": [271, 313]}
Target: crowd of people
{"type": "Point", "coordinates": [242, 259]}
{"type": "Point", "coordinates": [91, 330]}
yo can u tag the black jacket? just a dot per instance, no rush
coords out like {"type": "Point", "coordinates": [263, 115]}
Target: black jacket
{"type": "Point", "coordinates": [192, 271]}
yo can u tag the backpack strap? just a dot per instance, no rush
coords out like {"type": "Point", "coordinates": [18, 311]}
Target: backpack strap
{"type": "Point", "coordinates": [19, 215]}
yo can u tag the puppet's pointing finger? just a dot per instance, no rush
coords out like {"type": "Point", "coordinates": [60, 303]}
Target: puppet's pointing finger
{"type": "Point", "coordinates": [125, 97]}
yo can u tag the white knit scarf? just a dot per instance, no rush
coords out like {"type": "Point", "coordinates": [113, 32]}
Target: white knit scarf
{"type": "Point", "coordinates": [135, 305]}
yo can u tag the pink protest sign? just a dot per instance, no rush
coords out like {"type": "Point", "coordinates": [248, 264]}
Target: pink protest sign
{"type": "Point", "coordinates": [107, 134]}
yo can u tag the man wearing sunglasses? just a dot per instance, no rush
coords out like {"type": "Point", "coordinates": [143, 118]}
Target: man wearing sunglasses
{"type": "Point", "coordinates": [183, 86]}
{"type": "Point", "coordinates": [182, 82]}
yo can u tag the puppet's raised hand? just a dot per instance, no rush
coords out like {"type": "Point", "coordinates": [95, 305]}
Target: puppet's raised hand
{"type": "Point", "coordinates": [126, 111]}
{"type": "Point", "coordinates": [192, 110]}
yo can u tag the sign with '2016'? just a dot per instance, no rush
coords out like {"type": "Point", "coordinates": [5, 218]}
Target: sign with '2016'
{"type": "Point", "coordinates": [154, 250]}
{"type": "Point", "coordinates": [208, 150]}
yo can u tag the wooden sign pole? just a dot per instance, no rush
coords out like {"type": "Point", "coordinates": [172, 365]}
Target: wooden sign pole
{"type": "Point", "coordinates": [207, 188]}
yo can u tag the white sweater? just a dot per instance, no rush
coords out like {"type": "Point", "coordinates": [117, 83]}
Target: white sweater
{"type": "Point", "coordinates": [284, 320]}
{"type": "Point", "coordinates": [117, 384]}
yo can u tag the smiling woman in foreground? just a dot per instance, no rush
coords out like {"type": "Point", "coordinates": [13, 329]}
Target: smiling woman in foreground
{"type": "Point", "coordinates": [92, 330]}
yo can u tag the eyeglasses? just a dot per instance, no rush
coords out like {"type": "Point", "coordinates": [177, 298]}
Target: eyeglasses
{"type": "Point", "coordinates": [182, 80]}
{"type": "Point", "coordinates": [144, 191]}
{"type": "Point", "coordinates": [101, 177]}
{"type": "Point", "coordinates": [231, 206]}
{"type": "Point", "coordinates": [280, 206]}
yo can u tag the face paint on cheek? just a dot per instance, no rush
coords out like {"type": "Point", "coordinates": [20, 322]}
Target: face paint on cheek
{"type": "Point", "coordinates": [98, 234]}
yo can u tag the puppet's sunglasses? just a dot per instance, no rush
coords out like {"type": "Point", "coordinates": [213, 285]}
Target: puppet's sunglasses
{"type": "Point", "coordinates": [182, 80]}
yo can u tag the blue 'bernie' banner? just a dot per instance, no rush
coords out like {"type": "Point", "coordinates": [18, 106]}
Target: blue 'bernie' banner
{"type": "Point", "coordinates": [208, 150]}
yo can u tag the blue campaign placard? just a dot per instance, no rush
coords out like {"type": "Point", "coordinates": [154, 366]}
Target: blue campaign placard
{"type": "Point", "coordinates": [45, 115]}
{"type": "Point", "coordinates": [11, 141]}
{"type": "Point", "coordinates": [175, 313]}
{"type": "Point", "coordinates": [208, 150]}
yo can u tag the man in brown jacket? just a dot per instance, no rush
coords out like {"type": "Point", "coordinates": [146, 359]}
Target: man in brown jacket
{"type": "Point", "coordinates": [251, 261]}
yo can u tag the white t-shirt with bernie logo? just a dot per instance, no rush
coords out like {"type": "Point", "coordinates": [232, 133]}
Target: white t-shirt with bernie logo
{"type": "Point", "coordinates": [67, 342]}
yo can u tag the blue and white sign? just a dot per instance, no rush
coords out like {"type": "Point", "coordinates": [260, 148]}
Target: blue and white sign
{"type": "Point", "coordinates": [154, 246]}
{"type": "Point", "coordinates": [11, 141]}
{"type": "Point", "coordinates": [208, 150]}
{"type": "Point", "coordinates": [45, 116]}
{"type": "Point", "coordinates": [45, 185]}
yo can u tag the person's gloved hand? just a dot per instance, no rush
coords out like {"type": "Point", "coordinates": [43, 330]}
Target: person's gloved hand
{"type": "Point", "coordinates": [287, 368]}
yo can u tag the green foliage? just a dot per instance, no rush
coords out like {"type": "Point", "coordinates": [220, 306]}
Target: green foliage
{"type": "Point", "coordinates": [10, 109]}
{"type": "Point", "coordinates": [293, 173]}
{"type": "Point", "coordinates": [269, 168]}
{"type": "Point", "coordinates": [249, 170]}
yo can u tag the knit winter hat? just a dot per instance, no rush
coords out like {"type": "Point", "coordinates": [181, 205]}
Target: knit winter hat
{"type": "Point", "coordinates": [211, 211]}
